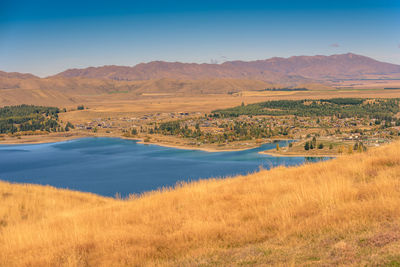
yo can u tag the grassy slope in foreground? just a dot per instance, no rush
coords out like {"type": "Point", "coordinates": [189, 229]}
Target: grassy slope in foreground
{"type": "Point", "coordinates": [344, 211]}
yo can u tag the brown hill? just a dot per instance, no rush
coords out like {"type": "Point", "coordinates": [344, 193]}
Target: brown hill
{"type": "Point", "coordinates": [91, 86]}
{"type": "Point", "coordinates": [205, 86]}
{"type": "Point", "coordinates": [177, 70]}
{"type": "Point", "coordinates": [279, 70]}
{"type": "Point", "coordinates": [62, 91]}
{"type": "Point", "coordinates": [16, 75]}
{"type": "Point", "coordinates": [349, 65]}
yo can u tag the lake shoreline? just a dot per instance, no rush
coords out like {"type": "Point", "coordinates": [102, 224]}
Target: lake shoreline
{"type": "Point", "coordinates": [279, 154]}
{"type": "Point", "coordinates": [60, 137]}
{"type": "Point", "coordinates": [107, 166]}
{"type": "Point", "coordinates": [54, 138]}
{"type": "Point", "coordinates": [42, 139]}
{"type": "Point", "coordinates": [205, 149]}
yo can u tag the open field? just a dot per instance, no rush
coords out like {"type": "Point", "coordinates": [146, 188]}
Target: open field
{"type": "Point", "coordinates": [374, 83]}
{"type": "Point", "coordinates": [117, 106]}
{"type": "Point", "coordinates": [342, 212]}
{"type": "Point", "coordinates": [164, 96]}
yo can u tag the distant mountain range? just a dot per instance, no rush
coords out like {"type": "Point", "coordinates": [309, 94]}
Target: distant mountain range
{"type": "Point", "coordinates": [281, 70]}
{"type": "Point", "coordinates": [17, 75]}
{"type": "Point", "coordinates": [72, 85]}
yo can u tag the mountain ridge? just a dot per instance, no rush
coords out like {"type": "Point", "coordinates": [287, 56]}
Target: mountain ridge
{"type": "Point", "coordinates": [276, 69]}
{"type": "Point", "coordinates": [69, 86]}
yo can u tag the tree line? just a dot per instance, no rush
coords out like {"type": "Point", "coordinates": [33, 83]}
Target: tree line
{"type": "Point", "coordinates": [381, 109]}
{"type": "Point", "coordinates": [29, 118]}
{"type": "Point", "coordinates": [233, 131]}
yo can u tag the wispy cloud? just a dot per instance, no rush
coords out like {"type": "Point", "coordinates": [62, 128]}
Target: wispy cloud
{"type": "Point", "coordinates": [334, 45]}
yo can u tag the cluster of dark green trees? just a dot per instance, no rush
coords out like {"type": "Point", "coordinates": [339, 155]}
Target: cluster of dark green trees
{"type": "Point", "coordinates": [237, 130]}
{"type": "Point", "coordinates": [177, 128]}
{"type": "Point", "coordinates": [382, 109]}
{"type": "Point", "coordinates": [313, 144]}
{"type": "Point", "coordinates": [29, 118]}
{"type": "Point", "coordinates": [242, 130]}
{"type": "Point", "coordinates": [360, 147]}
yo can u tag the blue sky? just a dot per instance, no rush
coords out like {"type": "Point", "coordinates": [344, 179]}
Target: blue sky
{"type": "Point", "coordinates": [46, 37]}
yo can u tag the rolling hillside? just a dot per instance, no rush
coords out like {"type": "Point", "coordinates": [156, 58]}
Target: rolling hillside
{"type": "Point", "coordinates": [71, 91]}
{"type": "Point", "coordinates": [341, 212]}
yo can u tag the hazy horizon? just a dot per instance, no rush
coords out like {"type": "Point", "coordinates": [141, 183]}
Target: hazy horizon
{"type": "Point", "coordinates": [46, 37]}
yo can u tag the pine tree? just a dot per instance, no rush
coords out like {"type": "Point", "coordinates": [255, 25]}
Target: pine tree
{"type": "Point", "coordinates": [307, 146]}
{"type": "Point", "coordinates": [314, 141]}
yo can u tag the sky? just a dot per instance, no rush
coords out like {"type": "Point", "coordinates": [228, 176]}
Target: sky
{"type": "Point", "coordinates": [46, 37]}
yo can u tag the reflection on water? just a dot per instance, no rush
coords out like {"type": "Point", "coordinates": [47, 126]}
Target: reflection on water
{"type": "Point", "coordinates": [313, 159]}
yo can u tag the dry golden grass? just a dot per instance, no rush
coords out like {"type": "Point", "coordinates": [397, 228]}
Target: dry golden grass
{"type": "Point", "coordinates": [127, 105]}
{"type": "Point", "coordinates": [341, 212]}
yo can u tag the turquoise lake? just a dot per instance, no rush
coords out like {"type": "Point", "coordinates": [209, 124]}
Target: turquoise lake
{"type": "Point", "coordinates": [107, 166]}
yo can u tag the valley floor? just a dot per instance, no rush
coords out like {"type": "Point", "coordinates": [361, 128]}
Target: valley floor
{"type": "Point", "coordinates": [340, 212]}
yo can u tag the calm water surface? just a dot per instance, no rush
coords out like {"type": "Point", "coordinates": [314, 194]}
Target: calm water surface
{"type": "Point", "coordinates": [107, 166]}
